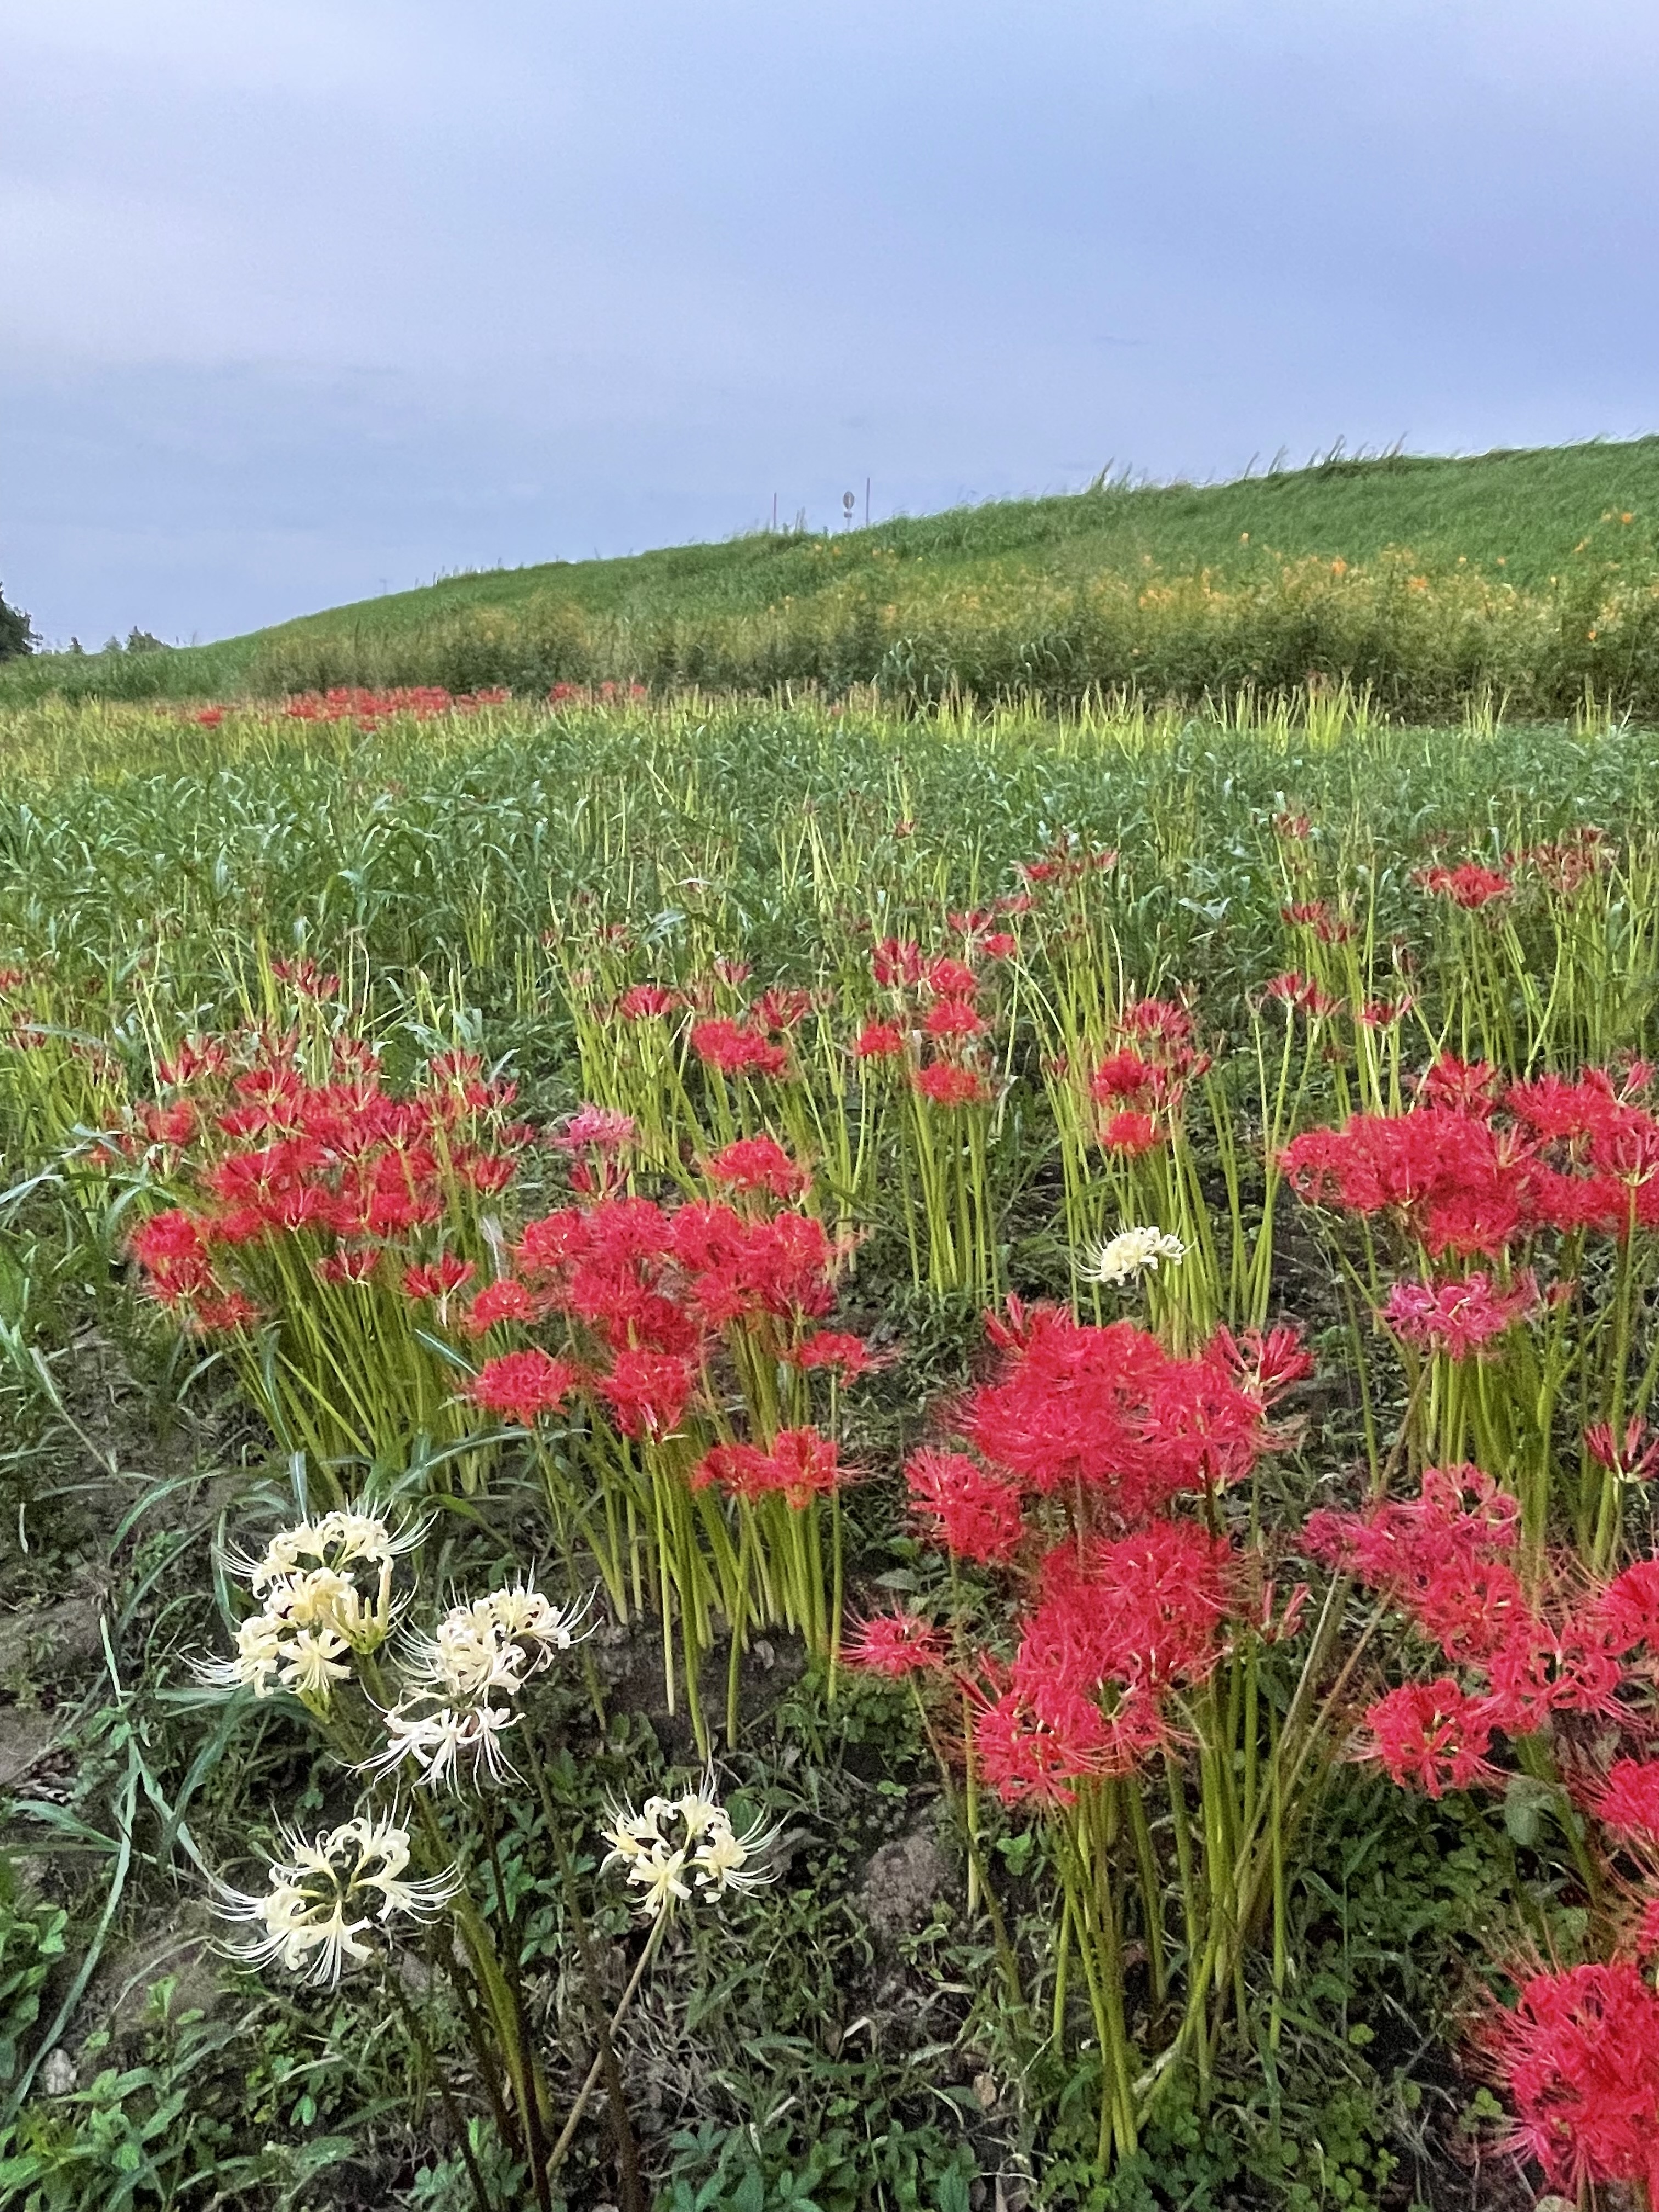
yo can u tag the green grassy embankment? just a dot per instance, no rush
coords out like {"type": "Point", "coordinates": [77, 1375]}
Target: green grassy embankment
{"type": "Point", "coordinates": [1525, 576]}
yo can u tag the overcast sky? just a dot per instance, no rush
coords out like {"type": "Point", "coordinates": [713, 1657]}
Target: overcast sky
{"type": "Point", "coordinates": [304, 299]}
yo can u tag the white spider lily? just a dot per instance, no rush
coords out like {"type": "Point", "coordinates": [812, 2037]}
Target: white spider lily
{"type": "Point", "coordinates": [442, 1742]}
{"type": "Point", "coordinates": [493, 1644]}
{"type": "Point", "coordinates": [328, 1896]}
{"type": "Point", "coordinates": [340, 1539]}
{"type": "Point", "coordinates": [672, 1843]}
{"type": "Point", "coordinates": [1134, 1252]}
{"type": "Point", "coordinates": [302, 1636]}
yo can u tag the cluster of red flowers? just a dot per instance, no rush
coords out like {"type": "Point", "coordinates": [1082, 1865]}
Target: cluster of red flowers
{"type": "Point", "coordinates": [801, 1465]}
{"type": "Point", "coordinates": [1469, 885]}
{"type": "Point", "coordinates": [1462, 1319]}
{"type": "Point", "coordinates": [1303, 994]}
{"type": "Point", "coordinates": [1478, 1165]}
{"type": "Point", "coordinates": [758, 1165]}
{"type": "Point", "coordinates": [366, 709]}
{"type": "Point", "coordinates": [1443, 1558]}
{"type": "Point", "coordinates": [1579, 2055]}
{"type": "Point", "coordinates": [1140, 1086]}
{"type": "Point", "coordinates": [754, 1042]}
{"type": "Point", "coordinates": [599, 1140]}
{"type": "Point", "coordinates": [647, 1292]}
{"type": "Point", "coordinates": [1069, 860]}
{"type": "Point", "coordinates": [352, 1169]}
{"type": "Point", "coordinates": [936, 1024]}
{"type": "Point", "coordinates": [1316, 914]}
{"type": "Point", "coordinates": [1105, 1429]}
{"type": "Point", "coordinates": [1111, 1410]}
{"type": "Point", "coordinates": [591, 695]}
{"type": "Point", "coordinates": [1564, 865]}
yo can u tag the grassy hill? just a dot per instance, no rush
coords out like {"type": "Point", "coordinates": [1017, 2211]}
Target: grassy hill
{"type": "Point", "coordinates": [1531, 572]}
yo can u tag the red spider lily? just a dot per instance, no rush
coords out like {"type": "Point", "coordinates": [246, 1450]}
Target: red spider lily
{"type": "Point", "coordinates": [505, 1300]}
{"type": "Point", "coordinates": [216, 1316]}
{"type": "Point", "coordinates": [974, 1513]}
{"type": "Point", "coordinates": [1032, 1758]}
{"type": "Point", "coordinates": [999, 944]}
{"type": "Point", "coordinates": [949, 978]}
{"type": "Point", "coordinates": [1624, 1616]}
{"type": "Point", "coordinates": [173, 1125]}
{"type": "Point", "coordinates": [368, 709]}
{"type": "Point", "coordinates": [1305, 913]}
{"type": "Point", "coordinates": [1460, 1518]}
{"type": "Point", "coordinates": [304, 976]}
{"type": "Point", "coordinates": [1266, 1362]}
{"type": "Point", "coordinates": [1468, 1172]}
{"type": "Point", "coordinates": [1627, 1802]}
{"type": "Point", "coordinates": [1433, 1734]}
{"type": "Point", "coordinates": [647, 1391]}
{"type": "Point", "coordinates": [640, 1272]}
{"type": "Point", "coordinates": [645, 1002]}
{"type": "Point", "coordinates": [781, 1266]}
{"type": "Point", "coordinates": [945, 1085]}
{"type": "Point", "coordinates": [721, 1043]}
{"type": "Point", "coordinates": [1579, 2057]}
{"type": "Point", "coordinates": [779, 1009]}
{"type": "Point", "coordinates": [602, 1128]}
{"type": "Point", "coordinates": [1477, 1611]}
{"type": "Point", "coordinates": [1536, 1675]}
{"type": "Point", "coordinates": [173, 1250]}
{"type": "Point", "coordinates": [1127, 1074]}
{"type": "Point", "coordinates": [524, 1385]}
{"type": "Point", "coordinates": [1068, 861]}
{"type": "Point", "coordinates": [1130, 1134]}
{"type": "Point", "coordinates": [1142, 1611]}
{"type": "Point", "coordinates": [896, 961]}
{"type": "Point", "coordinates": [350, 1264]}
{"type": "Point", "coordinates": [896, 1644]}
{"type": "Point", "coordinates": [878, 1040]}
{"type": "Point", "coordinates": [846, 1356]}
{"type": "Point", "coordinates": [802, 1464]}
{"type": "Point", "coordinates": [1302, 994]}
{"type": "Point", "coordinates": [1110, 1409]}
{"type": "Point", "coordinates": [1625, 1457]}
{"type": "Point", "coordinates": [1469, 885]}
{"type": "Point", "coordinates": [194, 1059]}
{"type": "Point", "coordinates": [953, 1018]}
{"type": "Point", "coordinates": [1157, 1017]}
{"type": "Point", "coordinates": [1460, 1319]}
{"type": "Point", "coordinates": [758, 1164]}
{"type": "Point", "coordinates": [1466, 1086]}
{"type": "Point", "coordinates": [438, 1278]}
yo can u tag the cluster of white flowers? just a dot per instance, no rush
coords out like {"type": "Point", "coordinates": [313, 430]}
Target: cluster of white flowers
{"type": "Point", "coordinates": [464, 1679]}
{"type": "Point", "coordinates": [674, 1843]}
{"type": "Point", "coordinates": [329, 1893]}
{"type": "Point", "coordinates": [325, 1588]}
{"type": "Point", "coordinates": [1134, 1252]}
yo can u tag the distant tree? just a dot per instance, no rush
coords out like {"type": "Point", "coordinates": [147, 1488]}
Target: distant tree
{"type": "Point", "coordinates": [15, 636]}
{"type": "Point", "coordinates": [140, 641]}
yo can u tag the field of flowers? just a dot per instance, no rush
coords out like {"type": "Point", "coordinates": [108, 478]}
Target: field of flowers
{"type": "Point", "coordinates": [782, 1457]}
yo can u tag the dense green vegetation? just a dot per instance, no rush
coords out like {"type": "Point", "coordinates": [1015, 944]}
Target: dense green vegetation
{"type": "Point", "coordinates": [1524, 574]}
